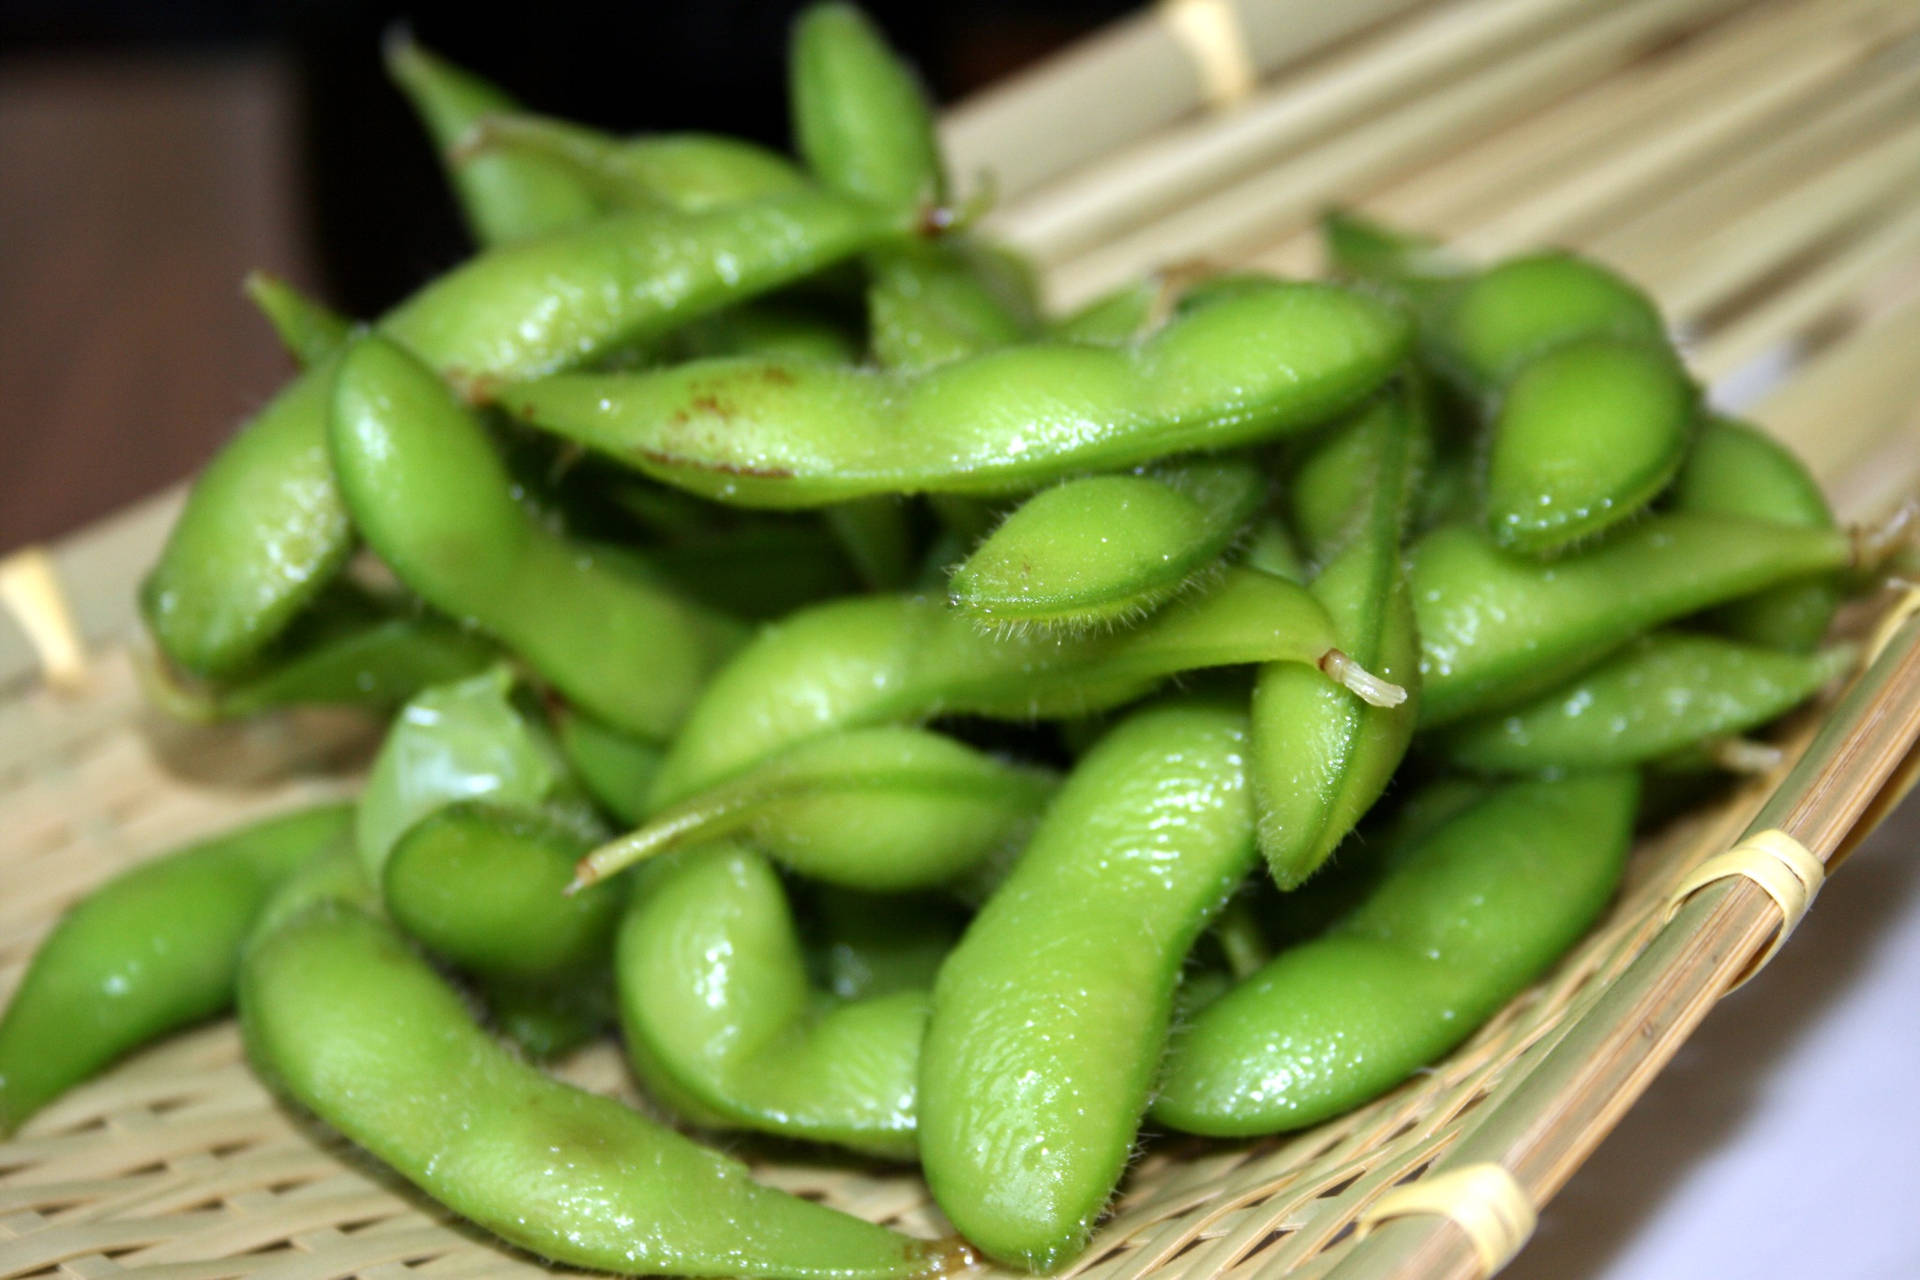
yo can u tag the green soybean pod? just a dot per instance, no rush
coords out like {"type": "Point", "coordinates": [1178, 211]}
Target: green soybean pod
{"type": "Point", "coordinates": [1320, 755]}
{"type": "Point", "coordinates": [1503, 317]}
{"type": "Point", "coordinates": [1049, 1018]}
{"type": "Point", "coordinates": [1658, 696]}
{"type": "Point", "coordinates": [1453, 927]}
{"type": "Point", "coordinates": [1738, 470]}
{"type": "Point", "coordinates": [457, 742]}
{"type": "Point", "coordinates": [305, 327]}
{"type": "Point", "coordinates": [1585, 436]}
{"type": "Point", "coordinates": [687, 171]}
{"type": "Point", "coordinates": [1497, 628]}
{"type": "Point", "coordinates": [1271, 549]}
{"type": "Point", "coordinates": [359, 1030]}
{"type": "Point", "coordinates": [887, 808]}
{"type": "Point", "coordinates": [262, 532]}
{"type": "Point", "coordinates": [1106, 550]}
{"type": "Point", "coordinates": [861, 121]}
{"type": "Point", "coordinates": [776, 327]}
{"type": "Point", "coordinates": [1417, 267]}
{"type": "Point", "coordinates": [929, 304]}
{"type": "Point", "coordinates": [877, 659]}
{"type": "Point", "coordinates": [506, 196]}
{"type": "Point", "coordinates": [715, 1001]}
{"type": "Point", "coordinates": [481, 883]}
{"type": "Point", "coordinates": [429, 493]}
{"type": "Point", "coordinates": [153, 950]}
{"type": "Point", "coordinates": [1122, 314]}
{"type": "Point", "coordinates": [784, 434]}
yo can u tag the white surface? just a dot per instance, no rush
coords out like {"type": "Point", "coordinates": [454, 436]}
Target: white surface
{"type": "Point", "coordinates": [1784, 1140]}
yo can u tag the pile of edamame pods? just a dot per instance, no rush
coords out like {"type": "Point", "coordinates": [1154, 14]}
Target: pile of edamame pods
{"type": "Point", "coordinates": [922, 725]}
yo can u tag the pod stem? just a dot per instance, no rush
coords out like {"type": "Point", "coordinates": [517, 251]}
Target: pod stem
{"type": "Point", "coordinates": [655, 838]}
{"type": "Point", "coordinates": [1365, 685]}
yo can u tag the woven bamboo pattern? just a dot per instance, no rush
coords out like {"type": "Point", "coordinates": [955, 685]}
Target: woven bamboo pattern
{"type": "Point", "coordinates": [1755, 164]}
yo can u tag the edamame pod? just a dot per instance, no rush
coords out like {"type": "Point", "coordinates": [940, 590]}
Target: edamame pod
{"type": "Point", "coordinates": [1498, 628]}
{"type": "Point", "coordinates": [1454, 926]}
{"type": "Point", "coordinates": [265, 528]}
{"type": "Point", "coordinates": [1658, 696]}
{"type": "Point", "coordinates": [886, 808]}
{"type": "Point", "coordinates": [506, 196]}
{"type": "Point", "coordinates": [307, 329]}
{"type": "Point", "coordinates": [360, 1031]}
{"type": "Point", "coordinates": [616, 768]}
{"type": "Point", "coordinates": [481, 883]}
{"type": "Point", "coordinates": [1500, 319]}
{"type": "Point", "coordinates": [1416, 267]}
{"type": "Point", "coordinates": [1738, 470]}
{"type": "Point", "coordinates": [1120, 315]}
{"type": "Point", "coordinates": [1049, 1017]}
{"type": "Point", "coordinates": [860, 119]}
{"type": "Point", "coordinates": [429, 493]}
{"type": "Point", "coordinates": [934, 303]}
{"type": "Point", "coordinates": [686, 171]}
{"type": "Point", "coordinates": [783, 434]}
{"type": "Point", "coordinates": [153, 950]}
{"type": "Point", "coordinates": [870, 660]}
{"type": "Point", "coordinates": [1320, 755]}
{"type": "Point", "coordinates": [1107, 549]}
{"type": "Point", "coordinates": [455, 742]}
{"type": "Point", "coordinates": [714, 998]}
{"type": "Point", "coordinates": [1586, 434]}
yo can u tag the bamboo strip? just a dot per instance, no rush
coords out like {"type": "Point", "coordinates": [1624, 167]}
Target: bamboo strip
{"type": "Point", "coordinates": [1252, 212]}
{"type": "Point", "coordinates": [1125, 82]}
{"type": "Point", "coordinates": [1134, 184]}
{"type": "Point", "coordinates": [1837, 405]}
{"type": "Point", "coordinates": [1535, 157]}
{"type": "Point", "coordinates": [1890, 247]}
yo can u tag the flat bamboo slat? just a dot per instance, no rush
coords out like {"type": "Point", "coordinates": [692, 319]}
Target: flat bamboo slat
{"type": "Point", "coordinates": [1750, 161]}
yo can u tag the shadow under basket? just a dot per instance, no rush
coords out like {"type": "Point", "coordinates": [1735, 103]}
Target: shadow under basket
{"type": "Point", "coordinates": [1756, 165]}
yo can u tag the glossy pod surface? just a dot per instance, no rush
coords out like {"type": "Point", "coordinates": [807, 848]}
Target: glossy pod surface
{"type": "Point", "coordinates": [1456, 925]}
{"type": "Point", "coordinates": [1049, 1017]}
{"type": "Point", "coordinates": [151, 951]}
{"type": "Point", "coordinates": [428, 491]}
{"type": "Point", "coordinates": [1502, 318]}
{"type": "Point", "coordinates": [566, 1174]}
{"type": "Point", "coordinates": [716, 1009]}
{"type": "Point", "coordinates": [784, 434]}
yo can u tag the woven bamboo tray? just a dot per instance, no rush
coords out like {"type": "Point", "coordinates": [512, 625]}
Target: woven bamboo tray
{"type": "Point", "coordinates": [1757, 164]}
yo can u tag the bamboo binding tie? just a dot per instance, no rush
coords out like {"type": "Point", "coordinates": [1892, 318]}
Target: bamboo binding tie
{"type": "Point", "coordinates": [30, 589]}
{"type": "Point", "coordinates": [1780, 865]}
{"type": "Point", "coordinates": [1485, 1201]}
{"type": "Point", "coordinates": [1210, 32]}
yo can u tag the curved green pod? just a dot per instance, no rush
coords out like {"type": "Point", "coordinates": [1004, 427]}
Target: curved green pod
{"type": "Point", "coordinates": [1497, 628]}
{"type": "Point", "coordinates": [1107, 549]}
{"type": "Point", "coordinates": [784, 434]}
{"type": "Point", "coordinates": [483, 884]}
{"type": "Point", "coordinates": [1585, 436]}
{"type": "Point", "coordinates": [930, 304]}
{"type": "Point", "coordinates": [1503, 317]}
{"type": "Point", "coordinates": [861, 121]}
{"type": "Point", "coordinates": [615, 768]}
{"type": "Point", "coordinates": [357, 1029]}
{"type": "Point", "coordinates": [429, 493]}
{"type": "Point", "coordinates": [265, 528]}
{"type": "Point", "coordinates": [1658, 696]}
{"type": "Point", "coordinates": [691, 172]}
{"type": "Point", "coordinates": [892, 658]}
{"type": "Point", "coordinates": [1452, 928]}
{"type": "Point", "coordinates": [1320, 755]}
{"type": "Point", "coordinates": [306, 328]}
{"type": "Point", "coordinates": [504, 197]}
{"type": "Point", "coordinates": [1736, 469]}
{"type": "Point", "coordinates": [1049, 1018]}
{"type": "Point", "coordinates": [459, 742]}
{"type": "Point", "coordinates": [153, 950]}
{"type": "Point", "coordinates": [1417, 267]}
{"type": "Point", "coordinates": [887, 808]}
{"type": "Point", "coordinates": [715, 1002]}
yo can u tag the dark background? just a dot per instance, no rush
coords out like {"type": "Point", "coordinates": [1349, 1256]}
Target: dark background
{"type": "Point", "coordinates": [152, 153]}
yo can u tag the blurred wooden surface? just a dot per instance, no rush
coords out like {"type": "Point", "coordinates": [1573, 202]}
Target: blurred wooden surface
{"type": "Point", "coordinates": [134, 195]}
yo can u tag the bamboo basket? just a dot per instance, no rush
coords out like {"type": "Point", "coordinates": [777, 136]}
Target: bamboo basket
{"type": "Point", "coordinates": [1757, 164]}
